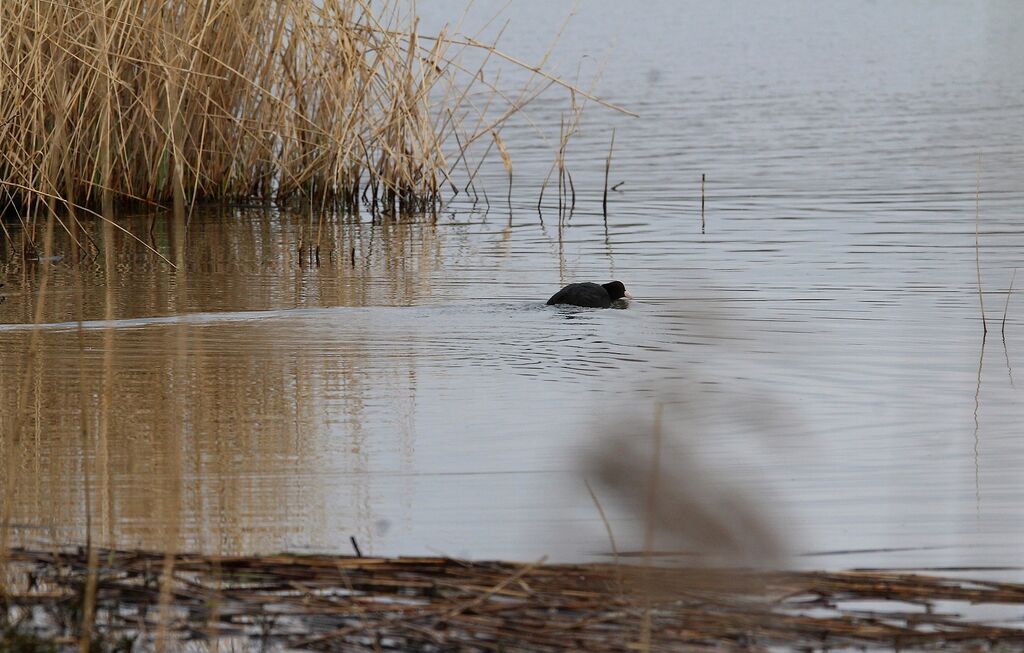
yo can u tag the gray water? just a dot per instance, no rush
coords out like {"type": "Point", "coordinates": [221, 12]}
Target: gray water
{"type": "Point", "coordinates": [818, 349]}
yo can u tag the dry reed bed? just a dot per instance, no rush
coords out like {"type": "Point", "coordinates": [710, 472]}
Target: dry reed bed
{"type": "Point", "coordinates": [435, 604]}
{"type": "Point", "coordinates": [178, 101]}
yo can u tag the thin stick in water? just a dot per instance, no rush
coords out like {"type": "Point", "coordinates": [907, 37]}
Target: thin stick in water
{"type": "Point", "coordinates": [1007, 305]}
{"type": "Point", "coordinates": [1006, 352]}
{"type": "Point", "coordinates": [702, 203]}
{"type": "Point", "coordinates": [977, 252]}
{"type": "Point", "coordinates": [572, 190]}
{"type": "Point", "coordinates": [607, 168]}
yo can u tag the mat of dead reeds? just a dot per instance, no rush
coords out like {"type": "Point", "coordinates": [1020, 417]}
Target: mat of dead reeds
{"type": "Point", "coordinates": [320, 602]}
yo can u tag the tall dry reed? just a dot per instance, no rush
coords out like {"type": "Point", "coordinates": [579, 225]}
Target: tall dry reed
{"type": "Point", "coordinates": [179, 101]}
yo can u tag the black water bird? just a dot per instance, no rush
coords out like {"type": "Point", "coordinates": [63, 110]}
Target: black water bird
{"type": "Point", "coordinates": [591, 295]}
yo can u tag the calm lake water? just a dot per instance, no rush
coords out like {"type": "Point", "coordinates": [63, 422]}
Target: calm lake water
{"type": "Point", "coordinates": [818, 350]}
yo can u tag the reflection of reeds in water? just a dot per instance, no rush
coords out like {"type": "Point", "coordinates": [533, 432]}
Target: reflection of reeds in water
{"type": "Point", "coordinates": [212, 461]}
{"type": "Point", "coordinates": [170, 435]}
{"type": "Point", "coordinates": [149, 446]}
{"type": "Point", "coordinates": [240, 259]}
{"type": "Point", "coordinates": [216, 461]}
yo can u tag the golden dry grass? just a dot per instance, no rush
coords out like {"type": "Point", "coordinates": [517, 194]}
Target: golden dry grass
{"type": "Point", "coordinates": [181, 101]}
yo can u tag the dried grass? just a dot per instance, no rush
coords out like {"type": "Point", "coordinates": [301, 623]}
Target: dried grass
{"type": "Point", "coordinates": [181, 101]}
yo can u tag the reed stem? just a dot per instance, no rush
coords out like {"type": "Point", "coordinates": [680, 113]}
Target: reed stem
{"type": "Point", "coordinates": [977, 248]}
{"type": "Point", "coordinates": [607, 169]}
{"type": "Point", "coordinates": [702, 202]}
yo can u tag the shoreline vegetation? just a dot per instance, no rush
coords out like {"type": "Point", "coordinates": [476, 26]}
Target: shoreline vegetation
{"type": "Point", "coordinates": [137, 600]}
{"type": "Point", "coordinates": [170, 103]}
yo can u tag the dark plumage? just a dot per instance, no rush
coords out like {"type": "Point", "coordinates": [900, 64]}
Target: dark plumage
{"type": "Point", "coordinates": [589, 294]}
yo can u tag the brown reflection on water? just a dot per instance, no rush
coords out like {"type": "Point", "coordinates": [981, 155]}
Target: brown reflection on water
{"type": "Point", "coordinates": [184, 437]}
{"type": "Point", "coordinates": [204, 435]}
{"type": "Point", "coordinates": [235, 259]}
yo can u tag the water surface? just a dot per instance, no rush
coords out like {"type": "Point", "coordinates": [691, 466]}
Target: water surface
{"type": "Point", "coordinates": [818, 347]}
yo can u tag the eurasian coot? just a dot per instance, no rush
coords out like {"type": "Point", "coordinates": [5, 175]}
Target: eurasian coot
{"type": "Point", "coordinates": [589, 294]}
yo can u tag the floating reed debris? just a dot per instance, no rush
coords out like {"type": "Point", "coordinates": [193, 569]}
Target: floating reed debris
{"type": "Point", "coordinates": [333, 603]}
{"type": "Point", "coordinates": [178, 101]}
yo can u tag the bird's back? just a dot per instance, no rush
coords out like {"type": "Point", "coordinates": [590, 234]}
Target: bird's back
{"type": "Point", "coordinates": [587, 294]}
